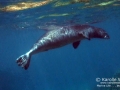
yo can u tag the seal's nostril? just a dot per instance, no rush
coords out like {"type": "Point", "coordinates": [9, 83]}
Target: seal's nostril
{"type": "Point", "coordinates": [106, 37]}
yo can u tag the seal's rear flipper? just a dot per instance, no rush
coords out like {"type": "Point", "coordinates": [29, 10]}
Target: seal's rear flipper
{"type": "Point", "coordinates": [24, 61]}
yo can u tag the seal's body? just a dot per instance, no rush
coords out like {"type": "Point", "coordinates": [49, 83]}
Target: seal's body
{"type": "Point", "coordinates": [61, 37]}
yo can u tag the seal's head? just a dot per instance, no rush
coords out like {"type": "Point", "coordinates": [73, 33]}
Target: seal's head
{"type": "Point", "coordinates": [91, 31]}
{"type": "Point", "coordinates": [99, 33]}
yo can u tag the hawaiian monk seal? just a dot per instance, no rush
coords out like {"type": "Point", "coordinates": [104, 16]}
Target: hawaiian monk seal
{"type": "Point", "coordinates": [58, 36]}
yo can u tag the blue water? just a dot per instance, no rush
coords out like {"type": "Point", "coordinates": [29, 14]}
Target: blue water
{"type": "Point", "coordinates": [60, 69]}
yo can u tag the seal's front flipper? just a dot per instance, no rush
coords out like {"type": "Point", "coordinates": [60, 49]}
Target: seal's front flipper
{"type": "Point", "coordinates": [76, 44]}
{"type": "Point", "coordinates": [24, 61]}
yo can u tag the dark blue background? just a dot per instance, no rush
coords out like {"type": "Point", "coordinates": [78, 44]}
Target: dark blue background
{"type": "Point", "coordinates": [59, 69]}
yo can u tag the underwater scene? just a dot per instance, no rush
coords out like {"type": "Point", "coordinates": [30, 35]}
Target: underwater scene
{"type": "Point", "coordinates": [59, 44]}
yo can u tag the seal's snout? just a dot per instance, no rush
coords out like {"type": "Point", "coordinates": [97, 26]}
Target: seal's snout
{"type": "Point", "coordinates": [106, 36]}
{"type": "Point", "coordinates": [102, 34]}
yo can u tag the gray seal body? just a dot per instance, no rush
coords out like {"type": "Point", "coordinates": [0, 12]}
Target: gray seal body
{"type": "Point", "coordinates": [58, 36]}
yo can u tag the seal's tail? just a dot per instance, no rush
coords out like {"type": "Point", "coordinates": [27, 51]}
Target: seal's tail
{"type": "Point", "coordinates": [24, 61]}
